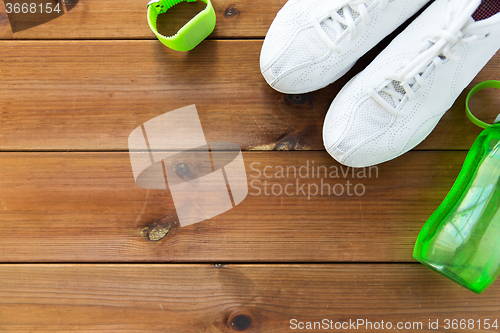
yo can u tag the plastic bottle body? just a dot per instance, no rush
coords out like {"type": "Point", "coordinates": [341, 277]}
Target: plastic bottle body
{"type": "Point", "coordinates": [461, 240]}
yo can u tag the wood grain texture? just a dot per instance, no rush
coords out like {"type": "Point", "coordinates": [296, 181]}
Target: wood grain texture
{"type": "Point", "coordinates": [92, 19]}
{"type": "Point", "coordinates": [232, 298]}
{"type": "Point", "coordinates": [90, 95]}
{"type": "Point", "coordinates": [86, 207]}
{"type": "Point", "coordinates": [85, 80]}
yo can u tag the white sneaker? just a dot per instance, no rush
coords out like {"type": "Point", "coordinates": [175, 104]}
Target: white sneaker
{"type": "Point", "coordinates": [399, 98]}
{"type": "Point", "coordinates": [312, 43]}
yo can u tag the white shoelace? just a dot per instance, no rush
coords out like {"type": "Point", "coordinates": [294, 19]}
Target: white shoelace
{"type": "Point", "coordinates": [434, 50]}
{"type": "Point", "coordinates": [339, 23]}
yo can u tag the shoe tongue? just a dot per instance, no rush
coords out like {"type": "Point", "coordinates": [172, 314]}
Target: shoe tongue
{"type": "Point", "coordinates": [353, 12]}
{"type": "Point", "coordinates": [460, 13]}
{"type": "Point", "coordinates": [329, 31]}
{"type": "Point", "coordinates": [460, 6]}
{"type": "Point", "coordinates": [326, 25]}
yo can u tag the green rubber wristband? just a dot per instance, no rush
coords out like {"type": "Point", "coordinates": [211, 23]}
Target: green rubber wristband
{"type": "Point", "coordinates": [480, 86]}
{"type": "Point", "coordinates": [191, 34]}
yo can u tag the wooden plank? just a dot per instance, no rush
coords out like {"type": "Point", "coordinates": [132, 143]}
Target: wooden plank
{"type": "Point", "coordinates": [90, 95]}
{"type": "Point", "coordinates": [91, 19]}
{"type": "Point", "coordinates": [86, 207]}
{"type": "Point", "coordinates": [248, 298]}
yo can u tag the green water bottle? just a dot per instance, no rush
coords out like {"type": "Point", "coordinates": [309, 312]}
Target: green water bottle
{"type": "Point", "coordinates": [461, 239]}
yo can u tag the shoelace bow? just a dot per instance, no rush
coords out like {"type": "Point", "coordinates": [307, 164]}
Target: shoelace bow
{"type": "Point", "coordinates": [341, 23]}
{"type": "Point", "coordinates": [434, 50]}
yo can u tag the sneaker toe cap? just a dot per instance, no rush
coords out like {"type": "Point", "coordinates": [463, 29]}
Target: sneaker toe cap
{"type": "Point", "coordinates": [356, 129]}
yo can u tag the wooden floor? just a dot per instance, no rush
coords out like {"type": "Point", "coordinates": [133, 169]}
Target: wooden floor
{"type": "Point", "coordinates": [84, 249]}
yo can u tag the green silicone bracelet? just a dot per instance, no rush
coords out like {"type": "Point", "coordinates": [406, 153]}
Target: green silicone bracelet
{"type": "Point", "coordinates": [480, 86]}
{"type": "Point", "coordinates": [191, 34]}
